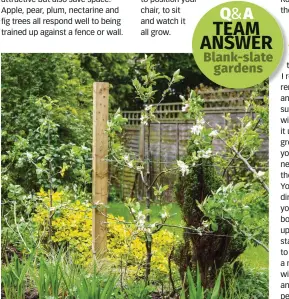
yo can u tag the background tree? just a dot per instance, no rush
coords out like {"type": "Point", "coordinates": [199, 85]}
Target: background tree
{"type": "Point", "coordinates": [25, 79]}
{"type": "Point", "coordinates": [120, 69]}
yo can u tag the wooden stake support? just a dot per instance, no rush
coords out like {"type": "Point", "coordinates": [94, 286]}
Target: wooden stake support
{"type": "Point", "coordinates": [99, 166]}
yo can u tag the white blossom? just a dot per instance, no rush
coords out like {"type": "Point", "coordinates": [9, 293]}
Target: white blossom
{"type": "Point", "coordinates": [248, 125]}
{"type": "Point", "coordinates": [225, 189]}
{"type": "Point", "coordinates": [148, 107]}
{"type": "Point", "coordinates": [140, 221]}
{"type": "Point", "coordinates": [197, 129]}
{"type": "Point", "coordinates": [29, 155]}
{"type": "Point", "coordinates": [205, 154]}
{"type": "Point", "coordinates": [140, 224]}
{"type": "Point", "coordinates": [164, 215]}
{"type": "Point", "coordinates": [185, 108]}
{"type": "Point", "coordinates": [130, 164]}
{"type": "Point", "coordinates": [184, 168]}
{"type": "Point", "coordinates": [214, 133]}
{"type": "Point", "coordinates": [144, 120]}
{"type": "Point", "coordinates": [260, 174]}
{"type": "Point", "coordinates": [140, 215]}
{"type": "Point", "coordinates": [200, 121]}
{"type": "Point", "coordinates": [126, 158]}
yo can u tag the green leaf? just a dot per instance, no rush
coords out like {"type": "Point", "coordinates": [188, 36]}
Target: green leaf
{"type": "Point", "coordinates": [199, 284]}
{"type": "Point", "coordinates": [216, 290]}
{"type": "Point", "coordinates": [239, 185]}
{"type": "Point", "coordinates": [214, 226]}
{"type": "Point", "coordinates": [176, 73]}
{"type": "Point", "coordinates": [137, 206]}
{"type": "Point", "coordinates": [192, 287]}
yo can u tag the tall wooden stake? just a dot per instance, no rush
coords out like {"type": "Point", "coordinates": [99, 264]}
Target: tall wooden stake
{"type": "Point", "coordinates": [99, 166]}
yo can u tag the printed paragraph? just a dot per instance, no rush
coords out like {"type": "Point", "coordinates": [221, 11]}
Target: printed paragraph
{"type": "Point", "coordinates": [55, 17]}
{"type": "Point", "coordinates": [159, 16]}
{"type": "Point", "coordinates": [284, 179]}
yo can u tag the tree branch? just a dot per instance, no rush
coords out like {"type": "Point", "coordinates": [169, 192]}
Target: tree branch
{"type": "Point", "coordinates": [245, 161]}
{"type": "Point", "coordinates": [250, 168]}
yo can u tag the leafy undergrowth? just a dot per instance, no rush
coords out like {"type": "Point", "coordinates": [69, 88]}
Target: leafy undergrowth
{"type": "Point", "coordinates": [120, 275]}
{"type": "Point", "coordinates": [72, 223]}
{"type": "Point", "coordinates": [56, 276]}
{"type": "Point", "coordinates": [253, 257]}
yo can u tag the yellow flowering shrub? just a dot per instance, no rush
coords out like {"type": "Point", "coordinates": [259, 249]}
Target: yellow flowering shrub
{"type": "Point", "coordinates": [72, 225]}
{"type": "Point", "coordinates": [127, 249]}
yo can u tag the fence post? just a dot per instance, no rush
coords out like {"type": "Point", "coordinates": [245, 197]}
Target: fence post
{"type": "Point", "coordinates": [160, 151]}
{"type": "Point", "coordinates": [178, 141]}
{"type": "Point", "coordinates": [99, 166]}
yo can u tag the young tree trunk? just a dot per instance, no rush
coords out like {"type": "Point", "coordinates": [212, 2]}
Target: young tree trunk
{"type": "Point", "coordinates": [148, 204]}
{"type": "Point", "coordinates": [149, 257]}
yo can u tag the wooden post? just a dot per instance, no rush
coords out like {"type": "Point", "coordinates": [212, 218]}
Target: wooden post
{"type": "Point", "coordinates": [178, 141]}
{"type": "Point", "coordinates": [99, 166]}
{"type": "Point", "coordinates": [160, 151]}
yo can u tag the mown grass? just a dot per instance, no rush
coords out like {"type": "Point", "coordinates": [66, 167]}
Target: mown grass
{"type": "Point", "coordinates": [254, 257]}
{"type": "Point", "coordinates": [119, 209]}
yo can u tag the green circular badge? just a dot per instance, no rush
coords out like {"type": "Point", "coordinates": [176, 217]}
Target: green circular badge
{"type": "Point", "coordinates": [237, 44]}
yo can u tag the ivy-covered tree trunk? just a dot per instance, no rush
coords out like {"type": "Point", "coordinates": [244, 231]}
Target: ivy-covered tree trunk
{"type": "Point", "coordinates": [215, 246]}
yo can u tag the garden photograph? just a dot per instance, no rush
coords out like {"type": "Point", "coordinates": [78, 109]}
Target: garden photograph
{"type": "Point", "coordinates": [131, 176]}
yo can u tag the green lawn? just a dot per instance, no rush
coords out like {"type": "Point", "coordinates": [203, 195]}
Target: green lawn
{"type": "Point", "coordinates": [253, 257]}
{"type": "Point", "coordinates": [119, 209]}
{"type": "Point", "coordinates": [256, 258]}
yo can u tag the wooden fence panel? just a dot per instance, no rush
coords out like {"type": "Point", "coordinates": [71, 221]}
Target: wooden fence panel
{"type": "Point", "coordinates": [169, 137]}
